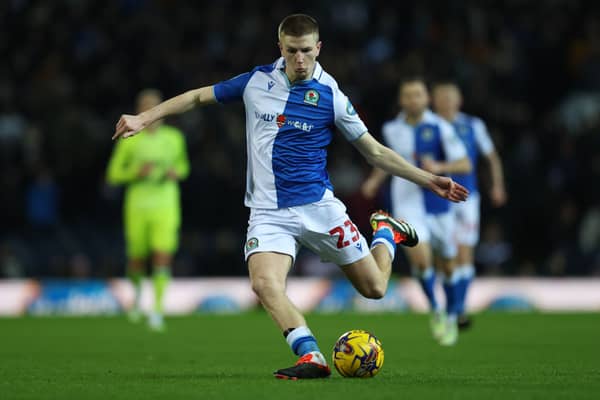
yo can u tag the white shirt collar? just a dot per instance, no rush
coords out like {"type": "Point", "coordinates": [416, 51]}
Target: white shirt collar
{"type": "Point", "coordinates": [428, 116]}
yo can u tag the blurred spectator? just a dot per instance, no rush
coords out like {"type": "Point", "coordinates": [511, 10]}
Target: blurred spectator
{"type": "Point", "coordinates": [493, 251]}
{"type": "Point", "coordinates": [42, 201]}
{"type": "Point", "coordinates": [589, 232]}
{"type": "Point", "coordinates": [80, 266]}
{"type": "Point", "coordinates": [10, 265]}
{"type": "Point", "coordinates": [589, 240]}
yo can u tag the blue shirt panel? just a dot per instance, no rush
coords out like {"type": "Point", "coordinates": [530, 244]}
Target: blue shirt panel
{"type": "Point", "coordinates": [466, 132]}
{"type": "Point", "coordinates": [428, 144]}
{"type": "Point", "coordinates": [300, 147]}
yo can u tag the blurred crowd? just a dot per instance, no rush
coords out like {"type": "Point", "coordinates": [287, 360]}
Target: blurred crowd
{"type": "Point", "coordinates": [71, 67]}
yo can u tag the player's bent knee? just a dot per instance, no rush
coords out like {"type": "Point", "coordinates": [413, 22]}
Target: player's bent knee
{"type": "Point", "coordinates": [374, 291]}
{"type": "Point", "coordinates": [377, 293]}
{"type": "Point", "coordinates": [373, 294]}
{"type": "Point", "coordinates": [367, 279]}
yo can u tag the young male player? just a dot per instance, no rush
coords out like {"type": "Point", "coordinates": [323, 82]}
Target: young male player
{"type": "Point", "coordinates": [292, 106]}
{"type": "Point", "coordinates": [447, 100]}
{"type": "Point", "coordinates": [150, 165]}
{"type": "Point", "coordinates": [428, 141]}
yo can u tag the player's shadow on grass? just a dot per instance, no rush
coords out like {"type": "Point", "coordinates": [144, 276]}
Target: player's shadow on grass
{"type": "Point", "coordinates": [194, 376]}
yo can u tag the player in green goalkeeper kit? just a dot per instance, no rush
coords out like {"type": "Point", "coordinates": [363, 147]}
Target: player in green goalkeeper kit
{"type": "Point", "coordinates": [151, 166]}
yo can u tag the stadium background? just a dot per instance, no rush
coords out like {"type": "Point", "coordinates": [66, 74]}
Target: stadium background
{"type": "Point", "coordinates": [70, 68]}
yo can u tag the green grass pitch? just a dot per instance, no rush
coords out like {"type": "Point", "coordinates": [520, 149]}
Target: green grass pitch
{"type": "Point", "coordinates": [505, 356]}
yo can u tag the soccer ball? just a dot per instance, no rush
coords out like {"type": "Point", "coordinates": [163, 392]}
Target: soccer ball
{"type": "Point", "coordinates": [358, 354]}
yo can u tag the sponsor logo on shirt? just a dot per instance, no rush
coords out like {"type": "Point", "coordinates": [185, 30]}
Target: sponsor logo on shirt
{"type": "Point", "coordinates": [303, 126]}
{"type": "Point", "coordinates": [300, 125]}
{"type": "Point", "coordinates": [281, 120]}
{"type": "Point", "coordinates": [267, 117]}
{"type": "Point", "coordinates": [350, 108]}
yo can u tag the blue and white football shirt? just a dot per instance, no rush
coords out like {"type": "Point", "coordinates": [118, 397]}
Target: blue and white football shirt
{"type": "Point", "coordinates": [473, 133]}
{"type": "Point", "coordinates": [288, 129]}
{"type": "Point", "coordinates": [432, 138]}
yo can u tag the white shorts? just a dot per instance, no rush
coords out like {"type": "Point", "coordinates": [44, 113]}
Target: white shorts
{"type": "Point", "coordinates": [441, 228]}
{"type": "Point", "coordinates": [438, 230]}
{"type": "Point", "coordinates": [323, 227]}
{"type": "Point", "coordinates": [410, 207]}
{"type": "Point", "coordinates": [467, 216]}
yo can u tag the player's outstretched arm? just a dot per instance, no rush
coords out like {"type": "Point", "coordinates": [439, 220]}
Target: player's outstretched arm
{"type": "Point", "coordinates": [391, 162]}
{"type": "Point", "coordinates": [497, 190]}
{"type": "Point", "coordinates": [129, 125]}
{"type": "Point", "coordinates": [460, 166]}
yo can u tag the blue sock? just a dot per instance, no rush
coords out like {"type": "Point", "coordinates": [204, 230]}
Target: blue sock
{"type": "Point", "coordinates": [385, 236]}
{"type": "Point", "coordinates": [302, 341]}
{"type": "Point", "coordinates": [452, 291]}
{"type": "Point", "coordinates": [461, 293]}
{"type": "Point", "coordinates": [467, 273]}
{"type": "Point", "coordinates": [427, 280]}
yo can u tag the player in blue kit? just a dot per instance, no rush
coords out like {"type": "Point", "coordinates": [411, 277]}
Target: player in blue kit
{"type": "Point", "coordinates": [447, 100]}
{"type": "Point", "coordinates": [426, 140]}
{"type": "Point", "coordinates": [292, 107]}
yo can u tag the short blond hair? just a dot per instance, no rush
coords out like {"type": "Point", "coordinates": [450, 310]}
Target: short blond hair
{"type": "Point", "coordinates": [298, 25]}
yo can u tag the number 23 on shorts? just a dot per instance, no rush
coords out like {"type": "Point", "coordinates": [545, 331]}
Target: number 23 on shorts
{"type": "Point", "coordinates": [347, 227]}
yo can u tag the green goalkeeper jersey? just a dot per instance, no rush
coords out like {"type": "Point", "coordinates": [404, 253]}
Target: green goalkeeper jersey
{"type": "Point", "coordinates": [164, 149]}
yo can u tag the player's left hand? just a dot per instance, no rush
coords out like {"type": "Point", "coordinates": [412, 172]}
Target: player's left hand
{"type": "Point", "coordinates": [448, 189]}
{"type": "Point", "coordinates": [498, 196]}
{"type": "Point", "coordinates": [171, 174]}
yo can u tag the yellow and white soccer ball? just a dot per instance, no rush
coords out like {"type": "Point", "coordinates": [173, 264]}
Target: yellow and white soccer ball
{"type": "Point", "coordinates": [358, 354]}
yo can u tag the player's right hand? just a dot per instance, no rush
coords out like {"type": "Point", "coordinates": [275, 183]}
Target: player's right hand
{"type": "Point", "coordinates": [145, 170]}
{"type": "Point", "coordinates": [128, 125]}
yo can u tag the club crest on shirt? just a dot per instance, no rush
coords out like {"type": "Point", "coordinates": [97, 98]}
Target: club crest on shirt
{"type": "Point", "coordinates": [251, 244]}
{"type": "Point", "coordinates": [427, 134]}
{"type": "Point", "coordinates": [311, 97]}
{"type": "Point", "coordinates": [462, 130]}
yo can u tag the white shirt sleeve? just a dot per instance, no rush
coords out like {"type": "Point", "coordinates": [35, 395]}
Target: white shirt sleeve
{"type": "Point", "coordinates": [482, 137]}
{"type": "Point", "coordinates": [346, 118]}
{"type": "Point", "coordinates": [454, 148]}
